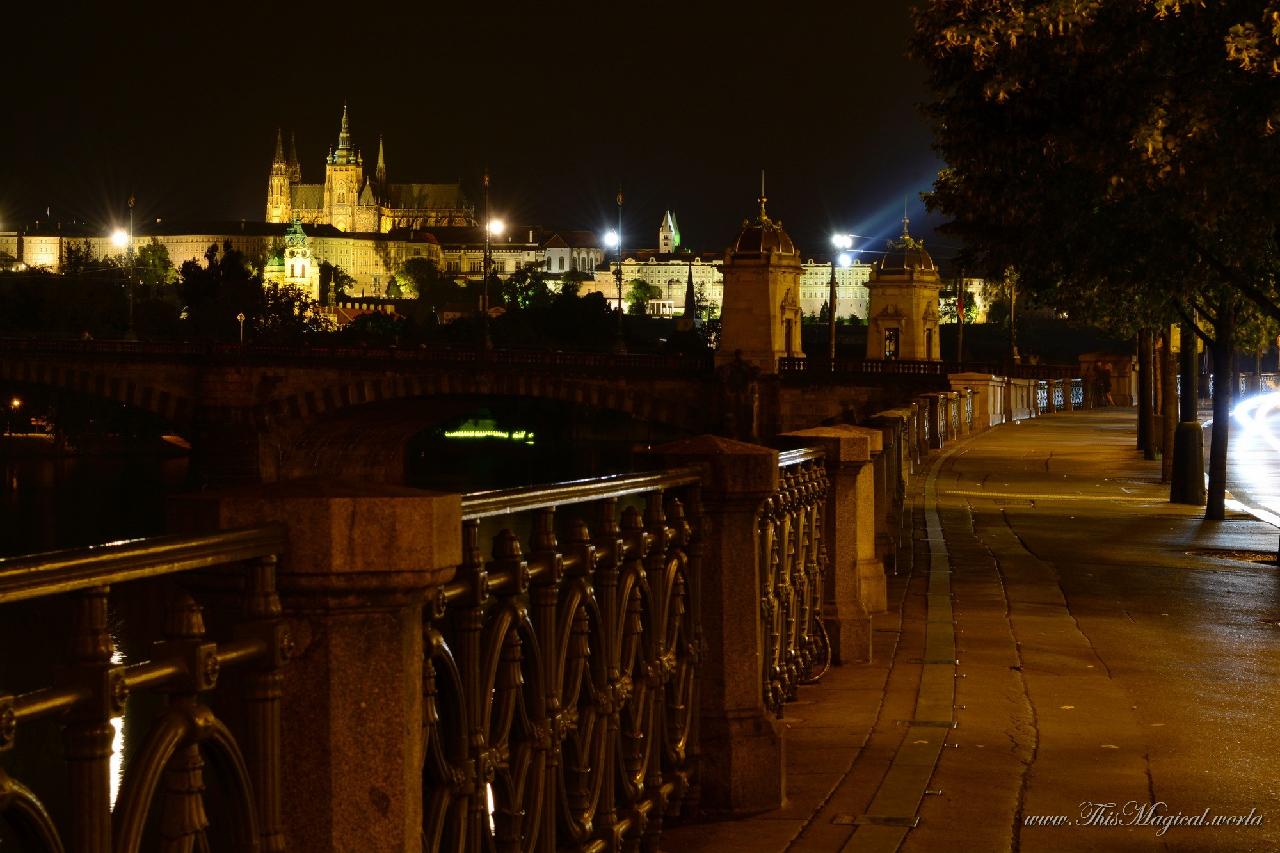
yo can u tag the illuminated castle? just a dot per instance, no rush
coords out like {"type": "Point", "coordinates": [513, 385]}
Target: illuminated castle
{"type": "Point", "coordinates": [350, 201]}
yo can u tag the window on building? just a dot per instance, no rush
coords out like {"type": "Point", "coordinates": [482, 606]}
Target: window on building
{"type": "Point", "coordinates": [476, 266]}
{"type": "Point", "coordinates": [562, 263]}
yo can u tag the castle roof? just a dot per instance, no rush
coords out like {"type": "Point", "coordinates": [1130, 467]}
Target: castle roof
{"type": "Point", "coordinates": [424, 196]}
{"type": "Point", "coordinates": [307, 196]}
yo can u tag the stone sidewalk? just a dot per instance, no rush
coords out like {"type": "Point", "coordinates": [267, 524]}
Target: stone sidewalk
{"type": "Point", "coordinates": [1111, 648]}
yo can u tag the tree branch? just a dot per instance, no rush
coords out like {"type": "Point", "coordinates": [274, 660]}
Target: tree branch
{"type": "Point", "coordinates": [1192, 324]}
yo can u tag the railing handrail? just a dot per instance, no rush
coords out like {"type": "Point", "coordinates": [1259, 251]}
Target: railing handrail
{"type": "Point", "coordinates": [476, 505]}
{"type": "Point", "coordinates": [788, 458]}
{"type": "Point", "coordinates": [56, 572]}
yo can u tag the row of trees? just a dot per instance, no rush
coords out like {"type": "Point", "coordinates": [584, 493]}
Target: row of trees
{"type": "Point", "coordinates": [1120, 158]}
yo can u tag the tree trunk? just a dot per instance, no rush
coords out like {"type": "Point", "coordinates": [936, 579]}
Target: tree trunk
{"type": "Point", "coordinates": [1168, 405]}
{"type": "Point", "coordinates": [1223, 378]}
{"type": "Point", "coordinates": [1187, 486]}
{"type": "Point", "coordinates": [1146, 425]}
{"type": "Point", "coordinates": [1189, 401]}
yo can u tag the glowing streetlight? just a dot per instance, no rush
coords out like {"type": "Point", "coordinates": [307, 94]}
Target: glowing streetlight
{"type": "Point", "coordinates": [497, 227]}
{"type": "Point", "coordinates": [15, 403]}
{"type": "Point", "coordinates": [611, 239]}
{"type": "Point", "coordinates": [841, 242]}
{"type": "Point", "coordinates": [120, 238]}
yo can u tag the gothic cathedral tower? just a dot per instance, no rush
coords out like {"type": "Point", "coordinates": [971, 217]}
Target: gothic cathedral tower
{"type": "Point", "coordinates": [343, 177]}
{"type": "Point", "coordinates": [279, 195]}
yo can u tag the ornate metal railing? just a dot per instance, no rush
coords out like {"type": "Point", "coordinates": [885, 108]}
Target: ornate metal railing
{"type": "Point", "coordinates": [968, 409]}
{"type": "Point", "coordinates": [88, 699]}
{"type": "Point", "coordinates": [1042, 397]}
{"type": "Point", "coordinates": [817, 367]}
{"type": "Point", "coordinates": [560, 687]}
{"type": "Point", "coordinates": [1077, 393]}
{"type": "Point", "coordinates": [1058, 402]}
{"type": "Point", "coordinates": [793, 570]}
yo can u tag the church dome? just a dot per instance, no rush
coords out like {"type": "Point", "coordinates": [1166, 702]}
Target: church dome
{"type": "Point", "coordinates": [763, 235]}
{"type": "Point", "coordinates": [906, 254]}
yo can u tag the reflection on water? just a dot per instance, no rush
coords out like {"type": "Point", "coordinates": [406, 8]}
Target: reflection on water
{"type": "Point", "coordinates": [49, 503]}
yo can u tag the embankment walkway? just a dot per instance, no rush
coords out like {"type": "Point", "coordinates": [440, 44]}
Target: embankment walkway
{"type": "Point", "coordinates": [1095, 644]}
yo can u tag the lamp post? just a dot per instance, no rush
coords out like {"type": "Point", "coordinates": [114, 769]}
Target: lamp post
{"type": "Point", "coordinates": [484, 290]}
{"type": "Point", "coordinates": [842, 242]}
{"type": "Point", "coordinates": [14, 405]}
{"type": "Point", "coordinates": [620, 345]}
{"type": "Point", "coordinates": [1013, 321]}
{"type": "Point", "coordinates": [240, 317]}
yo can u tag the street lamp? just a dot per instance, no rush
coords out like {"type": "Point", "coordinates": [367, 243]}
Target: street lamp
{"type": "Point", "coordinates": [843, 242]}
{"type": "Point", "coordinates": [119, 238]}
{"type": "Point", "coordinates": [492, 228]}
{"type": "Point", "coordinates": [620, 345]}
{"type": "Point", "coordinates": [14, 405]}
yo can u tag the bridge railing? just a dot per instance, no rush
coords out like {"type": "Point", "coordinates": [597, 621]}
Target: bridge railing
{"type": "Point", "coordinates": [561, 681]}
{"type": "Point", "coordinates": [87, 698]}
{"type": "Point", "coordinates": [819, 367]}
{"type": "Point", "coordinates": [793, 571]}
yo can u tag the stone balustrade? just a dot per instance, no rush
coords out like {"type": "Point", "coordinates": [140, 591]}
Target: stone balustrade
{"type": "Point", "coordinates": [569, 666]}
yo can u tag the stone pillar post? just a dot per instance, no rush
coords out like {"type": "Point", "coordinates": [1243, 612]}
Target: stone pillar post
{"type": "Point", "coordinates": [1023, 399]}
{"type": "Point", "coordinates": [359, 563]}
{"type": "Point", "coordinates": [894, 462]}
{"type": "Point", "coordinates": [743, 766]}
{"type": "Point", "coordinates": [857, 576]}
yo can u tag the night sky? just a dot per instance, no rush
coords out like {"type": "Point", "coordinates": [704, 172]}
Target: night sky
{"type": "Point", "coordinates": [564, 102]}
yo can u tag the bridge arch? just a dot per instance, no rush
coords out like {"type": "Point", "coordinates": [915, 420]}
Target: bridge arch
{"type": "Point", "coordinates": [655, 400]}
{"type": "Point", "coordinates": [140, 387]}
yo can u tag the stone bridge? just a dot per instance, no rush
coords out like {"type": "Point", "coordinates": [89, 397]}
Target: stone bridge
{"type": "Point", "coordinates": [256, 413]}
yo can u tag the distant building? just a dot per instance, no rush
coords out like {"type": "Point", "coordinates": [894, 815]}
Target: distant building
{"type": "Point", "coordinates": [669, 271]}
{"type": "Point", "coordinates": [289, 253]}
{"type": "Point", "coordinates": [351, 201]}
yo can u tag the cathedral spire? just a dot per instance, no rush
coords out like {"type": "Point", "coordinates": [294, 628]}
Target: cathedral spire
{"type": "Point", "coordinates": [380, 171]}
{"type": "Point", "coordinates": [690, 297]}
{"type": "Point", "coordinates": [279, 158]}
{"type": "Point", "coordinates": [344, 135]}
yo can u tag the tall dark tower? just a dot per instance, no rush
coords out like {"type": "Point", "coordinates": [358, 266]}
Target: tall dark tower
{"type": "Point", "coordinates": [295, 168]}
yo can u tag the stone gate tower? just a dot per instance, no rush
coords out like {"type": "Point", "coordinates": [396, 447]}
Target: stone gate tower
{"type": "Point", "coordinates": [902, 318]}
{"type": "Point", "coordinates": [761, 306]}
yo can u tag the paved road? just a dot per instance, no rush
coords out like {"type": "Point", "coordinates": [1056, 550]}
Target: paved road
{"type": "Point", "coordinates": [1253, 472]}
